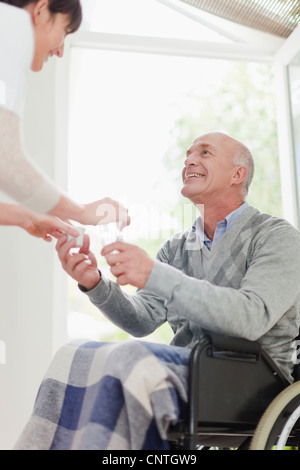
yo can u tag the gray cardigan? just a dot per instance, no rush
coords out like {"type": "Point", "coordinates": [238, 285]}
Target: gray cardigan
{"type": "Point", "coordinates": [247, 286]}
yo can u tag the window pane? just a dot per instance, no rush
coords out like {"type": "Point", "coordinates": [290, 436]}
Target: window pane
{"type": "Point", "coordinates": [144, 18]}
{"type": "Point", "coordinates": [132, 117]}
{"type": "Point", "coordinates": [294, 78]}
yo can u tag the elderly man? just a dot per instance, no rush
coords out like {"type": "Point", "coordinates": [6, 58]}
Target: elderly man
{"type": "Point", "coordinates": [236, 272]}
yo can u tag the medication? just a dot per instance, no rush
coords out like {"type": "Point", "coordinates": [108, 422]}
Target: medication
{"type": "Point", "coordinates": [79, 239]}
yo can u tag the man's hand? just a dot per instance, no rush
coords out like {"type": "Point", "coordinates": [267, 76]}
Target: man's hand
{"type": "Point", "coordinates": [81, 265]}
{"type": "Point", "coordinates": [131, 265]}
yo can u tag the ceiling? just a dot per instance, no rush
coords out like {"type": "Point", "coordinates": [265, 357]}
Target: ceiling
{"type": "Point", "coordinates": [276, 17]}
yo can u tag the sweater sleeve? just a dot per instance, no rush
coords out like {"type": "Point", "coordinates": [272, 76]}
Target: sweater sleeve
{"type": "Point", "coordinates": [269, 289]}
{"type": "Point", "coordinates": [139, 314]}
{"type": "Point", "coordinates": [19, 177]}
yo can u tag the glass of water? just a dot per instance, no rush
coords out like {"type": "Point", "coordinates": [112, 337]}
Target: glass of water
{"type": "Point", "coordinates": [110, 233]}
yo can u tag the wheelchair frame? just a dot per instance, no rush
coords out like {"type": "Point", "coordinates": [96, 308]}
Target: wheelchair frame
{"type": "Point", "coordinates": [233, 385]}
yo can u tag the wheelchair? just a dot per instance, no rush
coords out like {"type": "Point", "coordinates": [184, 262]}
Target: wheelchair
{"type": "Point", "coordinates": [238, 399]}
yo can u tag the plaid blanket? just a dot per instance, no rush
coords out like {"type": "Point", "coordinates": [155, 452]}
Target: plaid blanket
{"type": "Point", "coordinates": [109, 396]}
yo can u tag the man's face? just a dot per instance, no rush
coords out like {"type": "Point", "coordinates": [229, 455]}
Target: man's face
{"type": "Point", "coordinates": [208, 168]}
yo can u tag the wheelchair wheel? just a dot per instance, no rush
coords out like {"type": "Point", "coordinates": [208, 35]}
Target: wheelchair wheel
{"type": "Point", "coordinates": [277, 425]}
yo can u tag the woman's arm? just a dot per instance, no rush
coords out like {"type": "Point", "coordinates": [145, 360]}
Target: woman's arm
{"type": "Point", "coordinates": [99, 212]}
{"type": "Point", "coordinates": [22, 180]}
{"type": "Point", "coordinates": [37, 225]}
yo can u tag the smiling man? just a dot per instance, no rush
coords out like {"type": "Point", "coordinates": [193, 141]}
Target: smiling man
{"type": "Point", "coordinates": [217, 173]}
{"type": "Point", "coordinates": [237, 272]}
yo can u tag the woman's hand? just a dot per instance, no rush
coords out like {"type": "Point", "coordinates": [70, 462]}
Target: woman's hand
{"type": "Point", "coordinates": [104, 211]}
{"type": "Point", "coordinates": [46, 226]}
{"type": "Point", "coordinates": [37, 225]}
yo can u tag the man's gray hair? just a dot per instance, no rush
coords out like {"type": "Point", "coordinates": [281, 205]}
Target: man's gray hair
{"type": "Point", "coordinates": [244, 157]}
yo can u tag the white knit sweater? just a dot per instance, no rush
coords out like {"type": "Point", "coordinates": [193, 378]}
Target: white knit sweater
{"type": "Point", "coordinates": [19, 177]}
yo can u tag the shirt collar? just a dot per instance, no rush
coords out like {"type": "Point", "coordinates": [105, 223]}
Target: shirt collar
{"type": "Point", "coordinates": [229, 220]}
{"type": "Point", "coordinates": [233, 216]}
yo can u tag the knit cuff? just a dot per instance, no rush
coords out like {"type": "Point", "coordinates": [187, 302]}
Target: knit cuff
{"type": "Point", "coordinates": [99, 293]}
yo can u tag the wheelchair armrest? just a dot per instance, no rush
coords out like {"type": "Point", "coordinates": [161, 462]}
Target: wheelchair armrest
{"type": "Point", "coordinates": [230, 346]}
{"type": "Point", "coordinates": [231, 381]}
{"type": "Point", "coordinates": [238, 348]}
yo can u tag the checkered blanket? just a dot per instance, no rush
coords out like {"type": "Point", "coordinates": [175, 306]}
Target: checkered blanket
{"type": "Point", "coordinates": [109, 396]}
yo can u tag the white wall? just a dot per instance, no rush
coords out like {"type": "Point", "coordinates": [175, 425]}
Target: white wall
{"type": "Point", "coordinates": [30, 312]}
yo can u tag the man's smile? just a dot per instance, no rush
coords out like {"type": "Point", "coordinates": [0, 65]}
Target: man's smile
{"type": "Point", "coordinates": [194, 175]}
{"type": "Point", "coordinates": [190, 176]}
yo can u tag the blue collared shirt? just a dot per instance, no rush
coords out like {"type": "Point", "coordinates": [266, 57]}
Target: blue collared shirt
{"type": "Point", "coordinates": [222, 226]}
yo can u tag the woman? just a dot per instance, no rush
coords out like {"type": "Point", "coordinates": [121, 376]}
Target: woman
{"type": "Point", "coordinates": [31, 31]}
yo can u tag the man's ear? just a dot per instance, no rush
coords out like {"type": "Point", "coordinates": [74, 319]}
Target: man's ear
{"type": "Point", "coordinates": [239, 175]}
{"type": "Point", "coordinates": [40, 11]}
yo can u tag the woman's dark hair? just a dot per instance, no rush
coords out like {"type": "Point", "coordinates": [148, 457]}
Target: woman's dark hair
{"type": "Point", "coordinates": [66, 7]}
